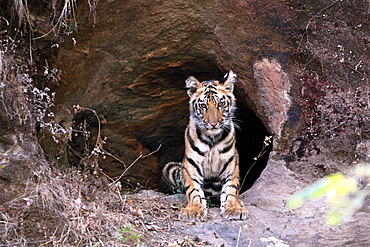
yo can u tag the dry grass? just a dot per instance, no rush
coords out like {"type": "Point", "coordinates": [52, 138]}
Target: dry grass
{"type": "Point", "coordinates": [77, 207]}
{"type": "Point", "coordinates": [42, 205]}
{"type": "Point", "coordinates": [21, 9]}
{"type": "Point", "coordinates": [46, 205]}
{"type": "Point", "coordinates": [62, 16]}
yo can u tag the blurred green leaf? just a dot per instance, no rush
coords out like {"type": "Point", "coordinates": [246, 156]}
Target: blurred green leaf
{"type": "Point", "coordinates": [340, 186]}
{"type": "Point", "coordinates": [346, 207]}
{"type": "Point", "coordinates": [343, 193]}
{"type": "Point", "coordinates": [333, 186]}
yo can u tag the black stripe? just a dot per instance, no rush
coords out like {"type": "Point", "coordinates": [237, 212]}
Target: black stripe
{"type": "Point", "coordinates": [227, 148]}
{"type": "Point", "coordinates": [194, 179]}
{"type": "Point", "coordinates": [201, 198]}
{"type": "Point", "coordinates": [172, 173]}
{"type": "Point", "coordinates": [233, 186]}
{"type": "Point", "coordinates": [195, 108]}
{"type": "Point", "coordinates": [212, 180]}
{"type": "Point", "coordinates": [228, 196]}
{"type": "Point", "coordinates": [209, 93]}
{"type": "Point", "coordinates": [191, 192]}
{"type": "Point", "coordinates": [225, 134]}
{"type": "Point", "coordinates": [213, 140]}
{"type": "Point", "coordinates": [177, 177]}
{"type": "Point", "coordinates": [201, 138]}
{"type": "Point", "coordinates": [192, 162]}
{"type": "Point", "coordinates": [207, 186]}
{"type": "Point", "coordinates": [216, 187]}
{"type": "Point", "coordinates": [172, 164]}
{"type": "Point", "coordinates": [192, 145]}
{"type": "Point", "coordinates": [222, 136]}
{"type": "Point", "coordinates": [228, 178]}
{"type": "Point", "coordinates": [226, 164]}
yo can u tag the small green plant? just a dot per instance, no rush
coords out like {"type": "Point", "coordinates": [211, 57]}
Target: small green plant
{"type": "Point", "coordinates": [126, 235]}
{"type": "Point", "coordinates": [345, 194]}
{"type": "Point", "coordinates": [69, 26]}
{"type": "Point", "coordinates": [179, 190]}
{"type": "Point", "coordinates": [188, 242]}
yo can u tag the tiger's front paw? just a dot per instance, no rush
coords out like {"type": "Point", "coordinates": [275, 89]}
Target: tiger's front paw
{"type": "Point", "coordinates": [194, 212]}
{"type": "Point", "coordinates": [234, 210]}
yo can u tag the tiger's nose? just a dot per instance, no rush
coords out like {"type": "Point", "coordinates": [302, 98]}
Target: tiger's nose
{"type": "Point", "coordinates": [213, 124]}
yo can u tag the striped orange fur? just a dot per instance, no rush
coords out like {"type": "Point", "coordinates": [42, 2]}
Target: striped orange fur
{"type": "Point", "coordinates": [211, 162]}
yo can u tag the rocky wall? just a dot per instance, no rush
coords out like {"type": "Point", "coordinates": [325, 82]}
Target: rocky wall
{"type": "Point", "coordinates": [129, 65]}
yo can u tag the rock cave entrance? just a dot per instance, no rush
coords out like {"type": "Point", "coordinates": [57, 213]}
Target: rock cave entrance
{"type": "Point", "coordinates": [174, 115]}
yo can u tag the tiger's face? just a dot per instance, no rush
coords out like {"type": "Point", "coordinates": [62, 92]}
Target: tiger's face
{"type": "Point", "coordinates": [212, 103]}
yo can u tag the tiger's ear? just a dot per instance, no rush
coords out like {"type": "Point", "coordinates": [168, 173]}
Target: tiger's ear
{"type": "Point", "coordinates": [192, 84]}
{"type": "Point", "coordinates": [230, 80]}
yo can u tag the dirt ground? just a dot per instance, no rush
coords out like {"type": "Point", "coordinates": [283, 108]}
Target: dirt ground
{"type": "Point", "coordinates": [270, 222]}
{"type": "Point", "coordinates": [77, 209]}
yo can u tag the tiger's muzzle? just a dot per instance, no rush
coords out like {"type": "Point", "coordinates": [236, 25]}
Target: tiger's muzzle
{"type": "Point", "coordinates": [213, 117]}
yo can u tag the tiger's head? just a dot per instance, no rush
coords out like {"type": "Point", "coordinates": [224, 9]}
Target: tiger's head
{"type": "Point", "coordinates": [212, 103]}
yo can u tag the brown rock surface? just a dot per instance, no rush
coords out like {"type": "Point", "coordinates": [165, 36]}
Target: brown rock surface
{"type": "Point", "coordinates": [131, 66]}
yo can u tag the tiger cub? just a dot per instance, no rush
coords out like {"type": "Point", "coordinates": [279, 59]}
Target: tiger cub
{"type": "Point", "coordinates": [211, 159]}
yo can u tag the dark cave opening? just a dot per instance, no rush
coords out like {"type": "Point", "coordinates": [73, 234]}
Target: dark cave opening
{"type": "Point", "coordinates": [167, 127]}
{"type": "Point", "coordinates": [250, 134]}
{"type": "Point", "coordinates": [250, 137]}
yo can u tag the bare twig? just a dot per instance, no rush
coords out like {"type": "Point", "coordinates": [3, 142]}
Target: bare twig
{"type": "Point", "coordinates": [311, 19]}
{"type": "Point", "coordinates": [237, 242]}
{"type": "Point", "coordinates": [67, 13]}
{"type": "Point", "coordinates": [98, 148]}
{"type": "Point", "coordinates": [266, 143]}
{"type": "Point", "coordinates": [139, 157]}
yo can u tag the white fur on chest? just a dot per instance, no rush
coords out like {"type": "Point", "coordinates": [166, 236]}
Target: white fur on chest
{"type": "Point", "coordinates": [213, 160]}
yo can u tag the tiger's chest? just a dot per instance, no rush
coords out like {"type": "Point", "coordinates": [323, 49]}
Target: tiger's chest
{"type": "Point", "coordinates": [214, 162]}
{"type": "Point", "coordinates": [211, 151]}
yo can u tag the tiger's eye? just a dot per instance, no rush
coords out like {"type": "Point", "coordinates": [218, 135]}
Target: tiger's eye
{"type": "Point", "coordinates": [220, 104]}
{"type": "Point", "coordinates": [202, 105]}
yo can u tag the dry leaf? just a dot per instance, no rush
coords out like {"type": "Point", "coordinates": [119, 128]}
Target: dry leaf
{"type": "Point", "coordinates": [136, 212]}
{"type": "Point", "coordinates": [175, 244]}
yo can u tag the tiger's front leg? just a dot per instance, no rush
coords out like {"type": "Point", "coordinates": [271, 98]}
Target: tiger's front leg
{"type": "Point", "coordinates": [231, 206]}
{"type": "Point", "coordinates": [197, 206]}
